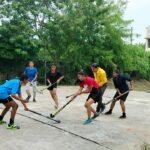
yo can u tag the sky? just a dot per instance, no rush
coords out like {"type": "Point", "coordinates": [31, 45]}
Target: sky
{"type": "Point", "coordinates": [139, 11]}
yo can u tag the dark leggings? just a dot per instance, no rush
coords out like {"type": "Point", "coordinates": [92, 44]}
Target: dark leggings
{"type": "Point", "coordinates": [100, 104]}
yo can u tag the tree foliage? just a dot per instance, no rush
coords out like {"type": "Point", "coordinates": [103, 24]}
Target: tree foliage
{"type": "Point", "coordinates": [71, 33]}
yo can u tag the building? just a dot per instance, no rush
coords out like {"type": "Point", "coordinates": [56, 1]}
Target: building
{"type": "Point", "coordinates": [147, 48]}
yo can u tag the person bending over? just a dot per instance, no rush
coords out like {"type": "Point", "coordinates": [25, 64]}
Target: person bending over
{"type": "Point", "coordinates": [89, 85]}
{"type": "Point", "coordinates": [101, 78]}
{"type": "Point", "coordinates": [9, 91]}
{"type": "Point", "coordinates": [120, 83]}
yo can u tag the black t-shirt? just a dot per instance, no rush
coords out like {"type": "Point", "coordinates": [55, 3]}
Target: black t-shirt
{"type": "Point", "coordinates": [121, 84]}
{"type": "Point", "coordinates": [53, 77]}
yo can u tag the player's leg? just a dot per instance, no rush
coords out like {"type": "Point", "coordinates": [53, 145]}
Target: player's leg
{"type": "Point", "coordinates": [5, 110]}
{"type": "Point", "coordinates": [10, 103]}
{"type": "Point", "coordinates": [54, 96]}
{"type": "Point", "coordinates": [123, 107]}
{"type": "Point", "coordinates": [34, 91]}
{"type": "Point", "coordinates": [122, 104]}
{"type": "Point", "coordinates": [100, 106]}
{"type": "Point", "coordinates": [112, 105]}
{"type": "Point", "coordinates": [28, 91]}
{"type": "Point", "coordinates": [89, 109]}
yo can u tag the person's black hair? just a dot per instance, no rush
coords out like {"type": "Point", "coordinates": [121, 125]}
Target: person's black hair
{"type": "Point", "coordinates": [83, 73]}
{"type": "Point", "coordinates": [53, 65]}
{"type": "Point", "coordinates": [24, 77]}
{"type": "Point", "coordinates": [117, 71]}
{"type": "Point", "coordinates": [95, 65]}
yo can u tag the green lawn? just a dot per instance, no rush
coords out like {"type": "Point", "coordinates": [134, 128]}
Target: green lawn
{"type": "Point", "coordinates": [145, 146]}
{"type": "Point", "coordinates": [139, 85]}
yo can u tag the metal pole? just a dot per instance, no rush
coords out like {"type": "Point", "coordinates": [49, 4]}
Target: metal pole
{"type": "Point", "coordinates": [45, 64]}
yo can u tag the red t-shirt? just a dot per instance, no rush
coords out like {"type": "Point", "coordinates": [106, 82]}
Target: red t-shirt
{"type": "Point", "coordinates": [89, 82]}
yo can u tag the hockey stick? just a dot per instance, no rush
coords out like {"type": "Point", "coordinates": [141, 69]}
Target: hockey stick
{"type": "Point", "coordinates": [58, 121]}
{"type": "Point", "coordinates": [48, 87]}
{"type": "Point", "coordinates": [58, 111]}
{"type": "Point", "coordinates": [45, 88]}
{"type": "Point", "coordinates": [116, 98]}
{"type": "Point", "coordinates": [69, 95]}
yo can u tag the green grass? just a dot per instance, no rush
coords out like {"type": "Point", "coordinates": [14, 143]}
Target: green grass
{"type": "Point", "coordinates": [145, 146]}
{"type": "Point", "coordinates": [138, 85]}
{"type": "Point", "coordinates": [142, 85]}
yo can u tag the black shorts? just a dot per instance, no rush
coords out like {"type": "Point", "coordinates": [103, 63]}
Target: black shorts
{"type": "Point", "coordinates": [7, 100]}
{"type": "Point", "coordinates": [95, 94]}
{"type": "Point", "coordinates": [123, 97]}
{"type": "Point", "coordinates": [52, 87]}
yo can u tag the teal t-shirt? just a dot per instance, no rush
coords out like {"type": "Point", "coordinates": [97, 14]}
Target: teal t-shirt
{"type": "Point", "coordinates": [10, 87]}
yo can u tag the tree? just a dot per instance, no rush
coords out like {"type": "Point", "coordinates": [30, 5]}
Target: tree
{"type": "Point", "coordinates": [71, 33]}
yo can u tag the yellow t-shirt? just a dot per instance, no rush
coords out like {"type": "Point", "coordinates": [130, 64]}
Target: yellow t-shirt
{"type": "Point", "coordinates": [100, 76]}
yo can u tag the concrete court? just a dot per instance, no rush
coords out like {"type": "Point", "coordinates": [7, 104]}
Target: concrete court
{"type": "Point", "coordinates": [109, 131]}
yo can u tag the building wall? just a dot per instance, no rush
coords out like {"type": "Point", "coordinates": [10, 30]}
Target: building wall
{"type": "Point", "coordinates": [147, 48]}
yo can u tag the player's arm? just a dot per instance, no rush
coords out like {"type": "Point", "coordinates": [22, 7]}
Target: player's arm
{"type": "Point", "coordinates": [47, 79]}
{"type": "Point", "coordinates": [88, 90]}
{"type": "Point", "coordinates": [116, 87]}
{"type": "Point", "coordinates": [19, 98]}
{"type": "Point", "coordinates": [79, 91]}
{"type": "Point", "coordinates": [36, 75]}
{"type": "Point", "coordinates": [131, 85]}
{"type": "Point", "coordinates": [62, 77]}
{"type": "Point", "coordinates": [16, 93]}
{"type": "Point", "coordinates": [23, 101]}
{"type": "Point", "coordinates": [130, 81]}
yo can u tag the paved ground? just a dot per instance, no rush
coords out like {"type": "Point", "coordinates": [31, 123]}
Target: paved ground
{"type": "Point", "coordinates": [106, 132]}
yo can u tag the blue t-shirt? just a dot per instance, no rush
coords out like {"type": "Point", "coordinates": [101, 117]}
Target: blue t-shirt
{"type": "Point", "coordinates": [31, 72]}
{"type": "Point", "coordinates": [10, 87]}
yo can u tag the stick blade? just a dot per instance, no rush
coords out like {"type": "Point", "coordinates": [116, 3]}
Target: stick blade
{"type": "Point", "coordinates": [58, 121]}
{"type": "Point", "coordinates": [52, 116]}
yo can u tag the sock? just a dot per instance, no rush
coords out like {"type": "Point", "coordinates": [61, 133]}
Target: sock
{"type": "Point", "coordinates": [1, 118]}
{"type": "Point", "coordinates": [11, 121]}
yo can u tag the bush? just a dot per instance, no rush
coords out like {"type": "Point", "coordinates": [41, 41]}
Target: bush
{"type": "Point", "coordinates": [145, 146]}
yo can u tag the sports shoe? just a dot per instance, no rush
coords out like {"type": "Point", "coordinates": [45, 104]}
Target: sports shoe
{"type": "Point", "coordinates": [108, 112]}
{"type": "Point", "coordinates": [122, 117]}
{"type": "Point", "coordinates": [2, 122]}
{"type": "Point", "coordinates": [13, 126]}
{"type": "Point", "coordinates": [103, 108]}
{"type": "Point", "coordinates": [28, 97]}
{"type": "Point", "coordinates": [95, 116]}
{"type": "Point", "coordinates": [34, 100]}
{"type": "Point", "coordinates": [87, 121]}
